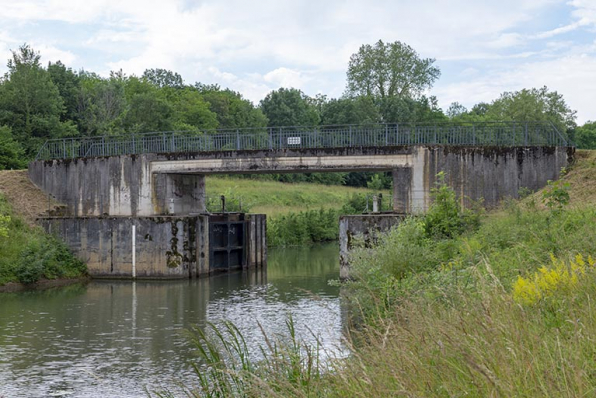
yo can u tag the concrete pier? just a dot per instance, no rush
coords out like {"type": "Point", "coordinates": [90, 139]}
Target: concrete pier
{"type": "Point", "coordinates": [364, 228]}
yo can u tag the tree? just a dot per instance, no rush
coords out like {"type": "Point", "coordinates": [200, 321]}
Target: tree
{"type": "Point", "coordinates": [31, 102]}
{"type": "Point", "coordinates": [388, 70]}
{"type": "Point", "coordinates": [407, 110]}
{"type": "Point", "coordinates": [358, 110]}
{"type": "Point", "coordinates": [585, 136]}
{"type": "Point", "coordinates": [191, 111]}
{"type": "Point", "coordinates": [533, 105]}
{"type": "Point", "coordinates": [456, 109]}
{"type": "Point", "coordinates": [163, 78]}
{"type": "Point", "coordinates": [11, 152]}
{"type": "Point", "coordinates": [101, 104]}
{"type": "Point", "coordinates": [232, 110]}
{"type": "Point", "coordinates": [289, 107]}
{"type": "Point", "coordinates": [67, 83]}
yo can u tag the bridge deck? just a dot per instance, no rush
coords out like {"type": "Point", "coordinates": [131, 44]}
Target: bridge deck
{"type": "Point", "coordinates": [505, 134]}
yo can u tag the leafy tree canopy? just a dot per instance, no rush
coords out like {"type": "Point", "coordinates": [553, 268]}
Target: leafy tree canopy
{"type": "Point", "coordinates": [289, 107]}
{"type": "Point", "coordinates": [585, 136]}
{"type": "Point", "coordinates": [388, 70]}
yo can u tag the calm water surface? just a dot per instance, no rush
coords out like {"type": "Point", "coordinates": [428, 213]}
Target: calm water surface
{"type": "Point", "coordinates": [118, 338]}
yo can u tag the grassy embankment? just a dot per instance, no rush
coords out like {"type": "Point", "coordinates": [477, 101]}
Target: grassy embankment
{"type": "Point", "coordinates": [447, 308]}
{"type": "Point", "coordinates": [27, 254]}
{"type": "Point", "coordinates": [297, 213]}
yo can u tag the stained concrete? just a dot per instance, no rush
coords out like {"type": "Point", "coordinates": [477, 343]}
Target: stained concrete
{"type": "Point", "coordinates": [173, 184]}
{"type": "Point", "coordinates": [166, 247]}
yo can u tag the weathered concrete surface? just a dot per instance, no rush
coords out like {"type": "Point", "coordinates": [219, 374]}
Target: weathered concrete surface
{"type": "Point", "coordinates": [166, 247]}
{"type": "Point", "coordinates": [163, 248]}
{"type": "Point", "coordinates": [173, 184]}
{"type": "Point", "coordinates": [257, 240]}
{"type": "Point", "coordinates": [364, 228]}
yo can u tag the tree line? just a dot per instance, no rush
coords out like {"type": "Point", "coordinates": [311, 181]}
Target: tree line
{"type": "Point", "coordinates": [386, 83]}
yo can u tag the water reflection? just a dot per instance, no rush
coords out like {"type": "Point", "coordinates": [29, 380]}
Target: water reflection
{"type": "Point", "coordinates": [114, 338]}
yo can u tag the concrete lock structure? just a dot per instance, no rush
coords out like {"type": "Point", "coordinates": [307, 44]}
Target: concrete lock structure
{"type": "Point", "coordinates": [155, 192]}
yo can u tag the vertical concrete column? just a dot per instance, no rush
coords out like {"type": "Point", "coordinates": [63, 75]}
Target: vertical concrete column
{"type": "Point", "coordinates": [402, 190]}
{"type": "Point", "coordinates": [202, 246]}
{"type": "Point", "coordinates": [256, 241]}
{"type": "Point", "coordinates": [185, 194]}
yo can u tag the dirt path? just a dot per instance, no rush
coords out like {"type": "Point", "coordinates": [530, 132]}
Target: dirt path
{"type": "Point", "coordinates": [26, 199]}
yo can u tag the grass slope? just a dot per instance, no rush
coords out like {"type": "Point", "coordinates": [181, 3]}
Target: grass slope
{"type": "Point", "coordinates": [504, 310]}
{"type": "Point", "coordinates": [276, 198]}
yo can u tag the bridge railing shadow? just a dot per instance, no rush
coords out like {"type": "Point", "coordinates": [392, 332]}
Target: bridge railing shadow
{"type": "Point", "coordinates": [300, 137]}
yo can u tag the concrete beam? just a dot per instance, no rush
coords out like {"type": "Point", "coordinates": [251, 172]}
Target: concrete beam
{"type": "Point", "coordinates": [282, 164]}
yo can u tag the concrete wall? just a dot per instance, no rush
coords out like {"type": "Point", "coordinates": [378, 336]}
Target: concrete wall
{"type": "Point", "coordinates": [365, 228]}
{"type": "Point", "coordinates": [147, 185]}
{"type": "Point", "coordinates": [166, 247]}
{"type": "Point", "coordinates": [163, 244]}
{"type": "Point", "coordinates": [492, 173]}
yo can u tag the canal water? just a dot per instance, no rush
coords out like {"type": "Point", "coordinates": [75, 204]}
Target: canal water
{"type": "Point", "coordinates": [121, 338]}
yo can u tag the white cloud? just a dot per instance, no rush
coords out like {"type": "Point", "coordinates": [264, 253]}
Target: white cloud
{"type": "Point", "coordinates": [571, 76]}
{"type": "Point", "coordinates": [254, 47]}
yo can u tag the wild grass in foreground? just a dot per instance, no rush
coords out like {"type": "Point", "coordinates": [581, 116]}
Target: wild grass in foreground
{"type": "Point", "coordinates": [447, 307]}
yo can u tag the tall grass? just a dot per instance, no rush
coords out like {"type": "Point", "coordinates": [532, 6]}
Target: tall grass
{"type": "Point", "coordinates": [287, 367]}
{"type": "Point", "coordinates": [436, 313]}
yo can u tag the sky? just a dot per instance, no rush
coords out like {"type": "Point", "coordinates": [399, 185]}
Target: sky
{"type": "Point", "coordinates": [483, 48]}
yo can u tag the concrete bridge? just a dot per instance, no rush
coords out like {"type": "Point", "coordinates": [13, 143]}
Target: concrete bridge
{"type": "Point", "coordinates": [144, 178]}
{"type": "Point", "coordinates": [163, 173]}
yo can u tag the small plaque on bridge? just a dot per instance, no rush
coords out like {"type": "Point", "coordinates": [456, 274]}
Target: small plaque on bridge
{"type": "Point", "coordinates": [293, 140]}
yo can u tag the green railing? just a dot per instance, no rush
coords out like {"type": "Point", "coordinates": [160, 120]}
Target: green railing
{"type": "Point", "coordinates": [295, 137]}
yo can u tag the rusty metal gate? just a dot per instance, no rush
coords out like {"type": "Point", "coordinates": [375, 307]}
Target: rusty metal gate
{"type": "Point", "coordinates": [227, 243]}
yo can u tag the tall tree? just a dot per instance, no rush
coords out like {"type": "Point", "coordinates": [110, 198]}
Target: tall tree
{"type": "Point", "coordinates": [289, 107]}
{"type": "Point", "coordinates": [67, 82]}
{"type": "Point", "coordinates": [31, 102]}
{"type": "Point", "coordinates": [388, 70]}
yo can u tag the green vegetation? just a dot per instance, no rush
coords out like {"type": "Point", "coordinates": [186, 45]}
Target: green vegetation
{"type": "Point", "coordinates": [446, 307]}
{"type": "Point", "coordinates": [297, 214]}
{"type": "Point", "coordinates": [28, 254]}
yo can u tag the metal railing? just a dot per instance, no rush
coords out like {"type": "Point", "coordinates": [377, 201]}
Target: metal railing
{"type": "Point", "coordinates": [338, 136]}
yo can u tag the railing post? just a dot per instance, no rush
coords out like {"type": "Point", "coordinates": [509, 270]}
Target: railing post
{"type": "Point", "coordinates": [350, 137]}
{"type": "Point", "coordinates": [164, 141]}
{"type": "Point", "coordinates": [280, 138]}
{"type": "Point", "coordinates": [64, 148]}
{"type": "Point", "coordinates": [435, 138]}
{"type": "Point", "coordinates": [134, 148]}
{"type": "Point", "coordinates": [270, 139]}
{"type": "Point", "coordinates": [172, 143]}
{"type": "Point", "coordinates": [526, 135]}
{"type": "Point", "coordinates": [237, 140]}
{"type": "Point", "coordinates": [473, 133]}
{"type": "Point", "coordinates": [386, 135]}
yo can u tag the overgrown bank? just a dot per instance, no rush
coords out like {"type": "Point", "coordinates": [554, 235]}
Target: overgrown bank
{"type": "Point", "coordinates": [27, 254]}
{"type": "Point", "coordinates": [450, 307]}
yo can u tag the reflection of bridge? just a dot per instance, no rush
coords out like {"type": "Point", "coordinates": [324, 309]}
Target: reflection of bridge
{"type": "Point", "coordinates": [278, 138]}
